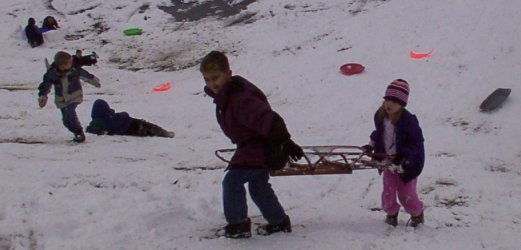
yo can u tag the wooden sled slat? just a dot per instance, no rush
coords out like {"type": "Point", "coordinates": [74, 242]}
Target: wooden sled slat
{"type": "Point", "coordinates": [321, 160]}
{"type": "Point", "coordinates": [305, 170]}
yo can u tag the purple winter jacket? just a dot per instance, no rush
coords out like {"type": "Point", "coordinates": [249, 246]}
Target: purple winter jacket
{"type": "Point", "coordinates": [245, 116]}
{"type": "Point", "coordinates": [409, 143]}
{"type": "Point", "coordinates": [115, 123]}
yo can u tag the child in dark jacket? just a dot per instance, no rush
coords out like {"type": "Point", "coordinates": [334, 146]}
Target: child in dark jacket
{"type": "Point", "coordinates": [263, 142]}
{"type": "Point", "coordinates": [79, 60]}
{"type": "Point", "coordinates": [399, 136]}
{"type": "Point", "coordinates": [49, 23]}
{"type": "Point", "coordinates": [68, 92]}
{"type": "Point", "coordinates": [106, 121]}
{"type": "Point", "coordinates": [33, 33]}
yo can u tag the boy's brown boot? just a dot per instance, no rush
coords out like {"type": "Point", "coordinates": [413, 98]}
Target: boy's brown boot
{"type": "Point", "coordinates": [267, 229]}
{"type": "Point", "coordinates": [392, 220]}
{"type": "Point", "coordinates": [79, 136]}
{"type": "Point", "coordinates": [238, 230]}
{"type": "Point", "coordinates": [416, 220]}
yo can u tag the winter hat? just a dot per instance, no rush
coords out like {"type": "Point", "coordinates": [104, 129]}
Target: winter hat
{"type": "Point", "coordinates": [62, 58]}
{"type": "Point", "coordinates": [398, 91]}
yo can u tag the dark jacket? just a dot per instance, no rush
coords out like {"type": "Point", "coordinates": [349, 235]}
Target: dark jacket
{"type": "Point", "coordinates": [33, 34]}
{"type": "Point", "coordinates": [67, 86]}
{"type": "Point", "coordinates": [245, 116]}
{"type": "Point", "coordinates": [409, 143]}
{"type": "Point", "coordinates": [80, 61]}
{"type": "Point", "coordinates": [114, 123]}
{"type": "Point", "coordinates": [49, 23]}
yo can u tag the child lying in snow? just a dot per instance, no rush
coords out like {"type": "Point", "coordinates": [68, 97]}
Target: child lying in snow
{"type": "Point", "coordinates": [106, 121]}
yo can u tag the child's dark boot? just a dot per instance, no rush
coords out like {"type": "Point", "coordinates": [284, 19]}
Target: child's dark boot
{"type": "Point", "coordinates": [392, 220]}
{"type": "Point", "coordinates": [284, 226]}
{"type": "Point", "coordinates": [79, 136]}
{"type": "Point", "coordinates": [416, 220]}
{"type": "Point", "coordinates": [239, 230]}
{"type": "Point", "coordinates": [164, 133]}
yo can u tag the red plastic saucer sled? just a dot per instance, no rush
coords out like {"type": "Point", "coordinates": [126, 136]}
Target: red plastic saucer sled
{"type": "Point", "coordinates": [162, 88]}
{"type": "Point", "coordinates": [351, 69]}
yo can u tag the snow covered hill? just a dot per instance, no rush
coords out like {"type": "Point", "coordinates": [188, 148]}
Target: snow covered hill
{"type": "Point", "coordinates": [151, 193]}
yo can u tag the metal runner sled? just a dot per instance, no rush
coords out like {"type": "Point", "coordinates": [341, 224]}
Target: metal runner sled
{"type": "Point", "coordinates": [324, 160]}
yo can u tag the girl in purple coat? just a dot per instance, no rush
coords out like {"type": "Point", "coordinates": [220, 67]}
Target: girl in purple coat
{"type": "Point", "coordinates": [262, 140]}
{"type": "Point", "coordinates": [399, 136]}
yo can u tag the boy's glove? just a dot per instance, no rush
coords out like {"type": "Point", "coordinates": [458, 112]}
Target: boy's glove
{"type": "Point", "coordinates": [292, 150]}
{"type": "Point", "coordinates": [367, 149]}
{"type": "Point", "coordinates": [96, 82]}
{"type": "Point", "coordinates": [42, 101]}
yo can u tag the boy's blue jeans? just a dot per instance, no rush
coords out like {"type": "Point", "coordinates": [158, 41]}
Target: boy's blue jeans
{"type": "Point", "coordinates": [70, 118]}
{"type": "Point", "coordinates": [234, 196]}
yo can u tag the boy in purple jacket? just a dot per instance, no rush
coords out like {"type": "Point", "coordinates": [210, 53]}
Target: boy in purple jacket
{"type": "Point", "coordinates": [398, 135]}
{"type": "Point", "coordinates": [263, 143]}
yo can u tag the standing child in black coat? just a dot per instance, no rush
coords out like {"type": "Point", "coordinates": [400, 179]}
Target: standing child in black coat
{"type": "Point", "coordinates": [33, 34]}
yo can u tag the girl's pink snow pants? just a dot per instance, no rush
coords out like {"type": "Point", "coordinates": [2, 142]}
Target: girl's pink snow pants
{"type": "Point", "coordinates": [393, 186]}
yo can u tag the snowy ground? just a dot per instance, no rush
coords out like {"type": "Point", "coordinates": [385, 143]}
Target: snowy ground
{"type": "Point", "coordinates": [136, 193]}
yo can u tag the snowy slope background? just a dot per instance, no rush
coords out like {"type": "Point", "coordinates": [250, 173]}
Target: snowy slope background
{"type": "Point", "coordinates": [150, 193]}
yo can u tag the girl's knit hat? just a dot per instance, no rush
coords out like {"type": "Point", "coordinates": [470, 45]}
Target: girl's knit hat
{"type": "Point", "coordinates": [398, 91]}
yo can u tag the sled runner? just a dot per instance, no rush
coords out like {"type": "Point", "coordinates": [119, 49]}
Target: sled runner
{"type": "Point", "coordinates": [324, 160]}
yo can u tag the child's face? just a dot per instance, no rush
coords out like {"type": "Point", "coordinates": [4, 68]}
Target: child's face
{"type": "Point", "coordinates": [216, 80]}
{"type": "Point", "coordinates": [65, 67]}
{"type": "Point", "coordinates": [391, 107]}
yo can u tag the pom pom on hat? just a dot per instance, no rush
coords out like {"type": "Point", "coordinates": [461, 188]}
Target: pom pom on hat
{"type": "Point", "coordinates": [398, 91]}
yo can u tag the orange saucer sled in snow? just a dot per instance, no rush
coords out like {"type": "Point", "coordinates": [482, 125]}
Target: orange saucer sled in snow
{"type": "Point", "coordinates": [420, 55]}
{"type": "Point", "coordinates": [162, 88]}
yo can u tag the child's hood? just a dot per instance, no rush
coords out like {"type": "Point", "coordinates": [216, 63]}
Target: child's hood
{"type": "Point", "coordinates": [101, 108]}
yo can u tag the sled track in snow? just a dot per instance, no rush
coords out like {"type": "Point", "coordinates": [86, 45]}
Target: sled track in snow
{"type": "Point", "coordinates": [22, 141]}
{"type": "Point", "coordinates": [199, 168]}
{"type": "Point", "coordinates": [357, 6]}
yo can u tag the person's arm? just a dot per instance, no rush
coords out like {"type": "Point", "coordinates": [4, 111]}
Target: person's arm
{"type": "Point", "coordinates": [41, 30]}
{"type": "Point", "coordinates": [414, 144]}
{"type": "Point", "coordinates": [89, 78]}
{"type": "Point", "coordinates": [254, 114]}
{"type": "Point", "coordinates": [43, 89]}
{"type": "Point", "coordinates": [412, 151]}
